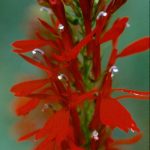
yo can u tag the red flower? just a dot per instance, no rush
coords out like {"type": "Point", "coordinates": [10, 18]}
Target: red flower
{"type": "Point", "coordinates": [138, 46]}
{"type": "Point", "coordinates": [28, 87]}
{"type": "Point", "coordinates": [115, 32]}
{"type": "Point", "coordinates": [112, 113]}
{"type": "Point", "coordinates": [74, 76]}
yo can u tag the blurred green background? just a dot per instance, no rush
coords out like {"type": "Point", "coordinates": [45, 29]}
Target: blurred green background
{"type": "Point", "coordinates": [133, 71]}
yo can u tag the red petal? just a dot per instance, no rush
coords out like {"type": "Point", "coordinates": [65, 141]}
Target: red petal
{"type": "Point", "coordinates": [78, 99]}
{"type": "Point", "coordinates": [138, 46]}
{"type": "Point", "coordinates": [76, 125]}
{"type": "Point", "coordinates": [26, 49]}
{"type": "Point", "coordinates": [29, 44]}
{"type": "Point", "coordinates": [96, 116]}
{"type": "Point", "coordinates": [100, 23]}
{"type": "Point", "coordinates": [28, 87]}
{"type": "Point", "coordinates": [115, 5]}
{"type": "Point", "coordinates": [35, 63]}
{"type": "Point", "coordinates": [53, 125]}
{"type": "Point", "coordinates": [131, 140]}
{"type": "Point", "coordinates": [107, 84]}
{"type": "Point", "coordinates": [74, 69]}
{"type": "Point", "coordinates": [96, 68]}
{"type": "Point", "coordinates": [27, 136]}
{"type": "Point", "coordinates": [39, 36]}
{"type": "Point", "coordinates": [47, 26]}
{"type": "Point", "coordinates": [22, 50]}
{"type": "Point", "coordinates": [113, 114]}
{"type": "Point", "coordinates": [86, 5]}
{"type": "Point", "coordinates": [133, 97]}
{"type": "Point", "coordinates": [29, 106]}
{"type": "Point", "coordinates": [116, 30]}
{"type": "Point", "coordinates": [133, 92]}
{"type": "Point", "coordinates": [45, 145]}
{"type": "Point", "coordinates": [50, 98]}
{"type": "Point", "coordinates": [58, 8]}
{"type": "Point", "coordinates": [72, 54]}
{"type": "Point", "coordinates": [112, 58]}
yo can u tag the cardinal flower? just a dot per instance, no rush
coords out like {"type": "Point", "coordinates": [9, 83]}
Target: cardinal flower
{"type": "Point", "coordinates": [72, 106]}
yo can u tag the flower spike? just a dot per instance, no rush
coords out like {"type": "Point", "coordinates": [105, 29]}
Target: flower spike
{"type": "Point", "coordinates": [73, 107]}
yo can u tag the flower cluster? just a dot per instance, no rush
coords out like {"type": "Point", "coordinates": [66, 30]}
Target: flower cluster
{"type": "Point", "coordinates": [78, 109]}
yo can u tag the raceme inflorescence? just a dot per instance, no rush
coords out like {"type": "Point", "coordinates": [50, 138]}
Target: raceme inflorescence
{"type": "Point", "coordinates": [73, 107]}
